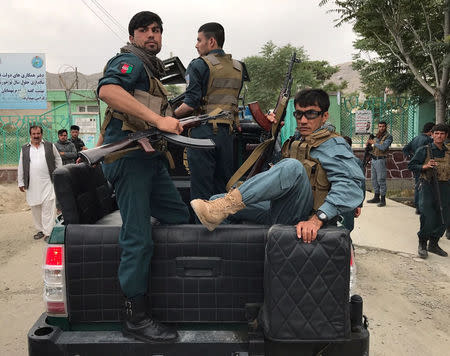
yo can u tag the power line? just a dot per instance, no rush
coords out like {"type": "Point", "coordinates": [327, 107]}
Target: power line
{"type": "Point", "coordinates": [106, 12]}
{"type": "Point", "coordinates": [114, 32]}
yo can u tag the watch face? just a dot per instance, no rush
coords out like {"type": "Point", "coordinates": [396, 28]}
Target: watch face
{"type": "Point", "coordinates": [322, 216]}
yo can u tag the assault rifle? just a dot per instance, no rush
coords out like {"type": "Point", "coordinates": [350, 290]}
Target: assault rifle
{"type": "Point", "coordinates": [367, 151]}
{"type": "Point", "coordinates": [264, 152]}
{"type": "Point", "coordinates": [435, 186]}
{"type": "Point", "coordinates": [145, 139]}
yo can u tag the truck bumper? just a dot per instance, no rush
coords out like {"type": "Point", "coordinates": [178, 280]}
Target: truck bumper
{"type": "Point", "coordinates": [49, 340]}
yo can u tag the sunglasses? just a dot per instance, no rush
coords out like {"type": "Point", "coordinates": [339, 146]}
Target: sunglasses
{"type": "Point", "coordinates": [309, 114]}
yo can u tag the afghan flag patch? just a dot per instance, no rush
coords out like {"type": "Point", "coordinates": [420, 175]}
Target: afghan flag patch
{"type": "Point", "coordinates": [126, 68]}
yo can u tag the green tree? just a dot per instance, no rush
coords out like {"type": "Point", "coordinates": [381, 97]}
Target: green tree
{"type": "Point", "coordinates": [267, 73]}
{"type": "Point", "coordinates": [411, 41]}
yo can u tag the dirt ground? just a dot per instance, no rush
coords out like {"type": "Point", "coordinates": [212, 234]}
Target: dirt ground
{"type": "Point", "coordinates": [407, 300]}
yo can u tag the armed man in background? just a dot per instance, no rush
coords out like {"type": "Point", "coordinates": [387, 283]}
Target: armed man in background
{"type": "Point", "coordinates": [214, 81]}
{"type": "Point", "coordinates": [141, 181]}
{"type": "Point", "coordinates": [66, 148]}
{"type": "Point", "coordinates": [410, 149]}
{"type": "Point", "coordinates": [380, 144]}
{"type": "Point", "coordinates": [432, 163]}
{"type": "Point", "coordinates": [318, 179]}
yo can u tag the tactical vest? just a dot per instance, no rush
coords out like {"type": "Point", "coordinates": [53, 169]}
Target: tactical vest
{"type": "Point", "coordinates": [376, 151]}
{"type": "Point", "coordinates": [225, 80]}
{"type": "Point", "coordinates": [156, 100]}
{"type": "Point", "coordinates": [49, 158]}
{"type": "Point", "coordinates": [300, 150]}
{"type": "Point", "coordinates": [442, 168]}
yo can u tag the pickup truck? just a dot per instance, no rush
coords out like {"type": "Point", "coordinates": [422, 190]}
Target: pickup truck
{"type": "Point", "coordinates": [217, 287]}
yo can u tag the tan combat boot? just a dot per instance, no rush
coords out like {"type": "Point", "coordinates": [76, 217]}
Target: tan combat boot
{"type": "Point", "coordinates": [212, 212]}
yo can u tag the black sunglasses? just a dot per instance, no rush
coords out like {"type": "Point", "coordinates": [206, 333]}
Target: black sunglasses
{"type": "Point", "coordinates": [309, 114]}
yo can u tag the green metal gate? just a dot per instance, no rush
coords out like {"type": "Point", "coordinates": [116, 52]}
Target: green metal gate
{"type": "Point", "coordinates": [14, 132]}
{"type": "Point", "coordinates": [398, 112]}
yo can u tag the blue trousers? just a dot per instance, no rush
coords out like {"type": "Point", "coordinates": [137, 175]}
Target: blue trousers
{"type": "Point", "coordinates": [431, 226]}
{"type": "Point", "coordinates": [379, 176]}
{"type": "Point", "coordinates": [281, 195]}
{"type": "Point", "coordinates": [210, 169]}
{"type": "Point", "coordinates": [143, 189]}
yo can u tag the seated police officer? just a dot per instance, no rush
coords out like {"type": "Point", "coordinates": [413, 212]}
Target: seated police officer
{"type": "Point", "coordinates": [318, 179]}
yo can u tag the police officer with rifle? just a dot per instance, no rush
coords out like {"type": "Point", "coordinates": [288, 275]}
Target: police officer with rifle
{"type": "Point", "coordinates": [432, 162]}
{"type": "Point", "coordinates": [137, 101]}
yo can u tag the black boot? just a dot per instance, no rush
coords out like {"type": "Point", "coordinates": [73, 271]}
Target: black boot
{"type": "Point", "coordinates": [423, 249]}
{"type": "Point", "coordinates": [447, 234]}
{"type": "Point", "coordinates": [140, 326]}
{"type": "Point", "coordinates": [375, 199]}
{"type": "Point", "coordinates": [433, 247]}
{"type": "Point", "coordinates": [382, 201]}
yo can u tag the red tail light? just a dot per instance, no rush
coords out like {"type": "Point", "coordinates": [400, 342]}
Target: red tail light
{"type": "Point", "coordinates": [54, 256]}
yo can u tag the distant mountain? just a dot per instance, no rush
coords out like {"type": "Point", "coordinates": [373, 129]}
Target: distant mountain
{"type": "Point", "coordinates": [347, 73]}
{"type": "Point", "coordinates": [69, 80]}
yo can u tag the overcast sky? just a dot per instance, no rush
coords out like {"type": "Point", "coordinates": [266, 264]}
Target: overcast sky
{"type": "Point", "coordinates": [71, 35]}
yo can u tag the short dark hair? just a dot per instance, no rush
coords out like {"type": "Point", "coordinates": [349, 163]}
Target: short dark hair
{"type": "Point", "coordinates": [215, 30]}
{"type": "Point", "coordinates": [440, 127]}
{"type": "Point", "coordinates": [60, 132]}
{"type": "Point", "coordinates": [32, 127]}
{"type": "Point", "coordinates": [75, 127]}
{"type": "Point", "coordinates": [313, 97]}
{"type": "Point", "coordinates": [383, 123]}
{"type": "Point", "coordinates": [427, 127]}
{"type": "Point", "coordinates": [143, 19]}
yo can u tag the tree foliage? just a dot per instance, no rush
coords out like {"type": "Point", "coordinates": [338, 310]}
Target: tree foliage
{"type": "Point", "coordinates": [267, 73]}
{"type": "Point", "coordinates": [410, 40]}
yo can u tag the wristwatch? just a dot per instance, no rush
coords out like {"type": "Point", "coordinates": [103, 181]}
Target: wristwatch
{"type": "Point", "coordinates": [322, 216]}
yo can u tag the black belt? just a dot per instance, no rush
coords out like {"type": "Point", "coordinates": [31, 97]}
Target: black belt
{"type": "Point", "coordinates": [378, 157]}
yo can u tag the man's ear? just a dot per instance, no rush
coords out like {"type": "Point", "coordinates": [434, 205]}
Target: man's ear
{"type": "Point", "coordinates": [131, 38]}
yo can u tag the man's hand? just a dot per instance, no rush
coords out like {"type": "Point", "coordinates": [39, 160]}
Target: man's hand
{"type": "Point", "coordinates": [22, 188]}
{"type": "Point", "coordinates": [271, 117]}
{"type": "Point", "coordinates": [370, 142]}
{"type": "Point", "coordinates": [307, 230]}
{"type": "Point", "coordinates": [61, 153]}
{"type": "Point", "coordinates": [430, 164]}
{"type": "Point", "coordinates": [170, 124]}
{"type": "Point", "coordinates": [357, 211]}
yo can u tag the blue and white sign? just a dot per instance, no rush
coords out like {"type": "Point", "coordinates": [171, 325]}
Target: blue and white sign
{"type": "Point", "coordinates": [22, 81]}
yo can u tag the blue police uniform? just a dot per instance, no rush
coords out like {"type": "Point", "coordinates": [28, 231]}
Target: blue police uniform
{"type": "Point", "coordinates": [409, 150]}
{"type": "Point", "coordinates": [142, 185]}
{"type": "Point", "coordinates": [378, 164]}
{"type": "Point", "coordinates": [210, 170]}
{"type": "Point", "coordinates": [431, 226]}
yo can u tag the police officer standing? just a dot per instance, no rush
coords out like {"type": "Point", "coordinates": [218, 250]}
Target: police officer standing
{"type": "Point", "coordinates": [433, 219]}
{"type": "Point", "coordinates": [214, 81]}
{"type": "Point", "coordinates": [142, 184]}
{"type": "Point", "coordinates": [380, 144]}
{"type": "Point", "coordinates": [410, 149]}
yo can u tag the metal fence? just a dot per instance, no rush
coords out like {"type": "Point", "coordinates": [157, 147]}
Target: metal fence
{"type": "Point", "coordinates": [398, 112]}
{"type": "Point", "coordinates": [14, 132]}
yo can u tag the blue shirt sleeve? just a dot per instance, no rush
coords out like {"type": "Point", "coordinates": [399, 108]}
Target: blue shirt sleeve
{"type": "Point", "coordinates": [126, 70]}
{"type": "Point", "coordinates": [197, 77]}
{"type": "Point", "coordinates": [344, 175]}
{"type": "Point", "coordinates": [385, 145]}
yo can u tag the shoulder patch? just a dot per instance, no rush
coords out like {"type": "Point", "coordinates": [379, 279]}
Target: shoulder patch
{"type": "Point", "coordinates": [125, 68]}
